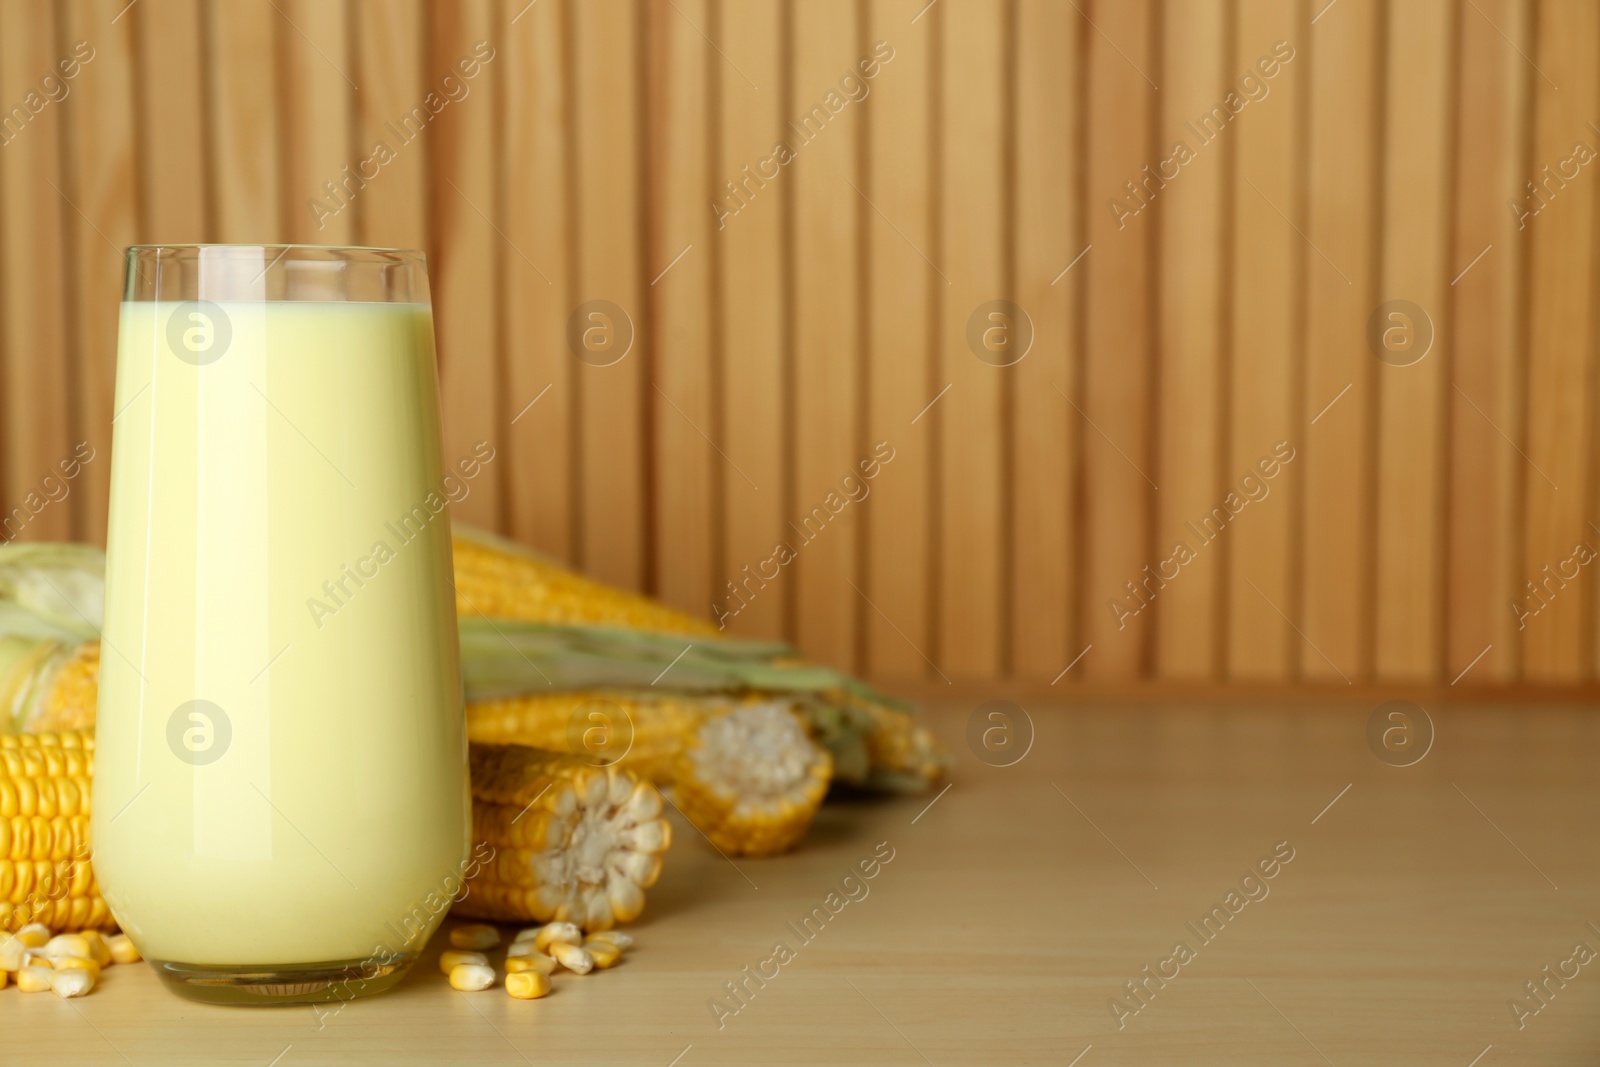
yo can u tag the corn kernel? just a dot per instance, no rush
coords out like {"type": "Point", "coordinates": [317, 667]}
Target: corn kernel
{"type": "Point", "coordinates": [5, 976]}
{"type": "Point", "coordinates": [616, 937]}
{"type": "Point", "coordinates": [526, 935]}
{"type": "Point", "coordinates": [574, 958]}
{"type": "Point", "coordinates": [78, 963]}
{"type": "Point", "coordinates": [471, 977]}
{"type": "Point", "coordinates": [527, 985]}
{"type": "Point", "coordinates": [71, 983]}
{"type": "Point", "coordinates": [34, 979]}
{"type": "Point", "coordinates": [603, 953]}
{"type": "Point", "coordinates": [99, 951]}
{"type": "Point", "coordinates": [34, 935]}
{"type": "Point", "coordinates": [533, 961]}
{"type": "Point", "coordinates": [11, 952]}
{"type": "Point", "coordinates": [557, 932]}
{"type": "Point", "coordinates": [476, 936]}
{"type": "Point", "coordinates": [67, 945]}
{"type": "Point", "coordinates": [452, 958]}
{"type": "Point", "coordinates": [123, 949]}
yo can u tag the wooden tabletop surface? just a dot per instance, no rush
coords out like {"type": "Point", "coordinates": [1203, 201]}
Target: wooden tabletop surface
{"type": "Point", "coordinates": [1406, 909]}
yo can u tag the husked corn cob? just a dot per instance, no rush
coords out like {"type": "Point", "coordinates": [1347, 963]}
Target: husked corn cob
{"type": "Point", "coordinates": [643, 733]}
{"type": "Point", "coordinates": [573, 843]}
{"type": "Point", "coordinates": [503, 580]}
{"type": "Point", "coordinates": [752, 780]}
{"type": "Point", "coordinates": [45, 876]}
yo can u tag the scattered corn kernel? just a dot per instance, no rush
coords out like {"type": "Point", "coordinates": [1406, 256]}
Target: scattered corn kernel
{"type": "Point", "coordinates": [68, 945]}
{"type": "Point", "coordinates": [37, 958]}
{"type": "Point", "coordinates": [526, 935]}
{"type": "Point", "coordinates": [99, 951]}
{"type": "Point", "coordinates": [471, 977]}
{"type": "Point", "coordinates": [603, 953]}
{"type": "Point", "coordinates": [71, 983]}
{"type": "Point", "coordinates": [452, 958]}
{"type": "Point", "coordinates": [574, 958]}
{"type": "Point", "coordinates": [78, 963]}
{"type": "Point", "coordinates": [34, 979]}
{"type": "Point", "coordinates": [11, 952]}
{"type": "Point", "coordinates": [616, 937]}
{"type": "Point", "coordinates": [551, 933]}
{"type": "Point", "coordinates": [477, 936]}
{"type": "Point", "coordinates": [34, 935]}
{"type": "Point", "coordinates": [527, 985]}
{"type": "Point", "coordinates": [122, 949]}
{"type": "Point", "coordinates": [533, 961]}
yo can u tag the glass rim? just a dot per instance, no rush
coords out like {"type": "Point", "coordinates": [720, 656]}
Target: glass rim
{"type": "Point", "coordinates": [284, 250]}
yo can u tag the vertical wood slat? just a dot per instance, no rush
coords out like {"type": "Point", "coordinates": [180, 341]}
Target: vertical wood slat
{"type": "Point", "coordinates": [466, 253]}
{"type": "Point", "coordinates": [1047, 240]}
{"type": "Point", "coordinates": [102, 184]}
{"type": "Point", "coordinates": [36, 432]}
{"type": "Point", "coordinates": [534, 164]}
{"type": "Point", "coordinates": [1191, 216]}
{"type": "Point", "coordinates": [686, 467]}
{"type": "Point", "coordinates": [896, 632]}
{"type": "Point", "coordinates": [1559, 233]}
{"type": "Point", "coordinates": [1416, 191]}
{"type": "Point", "coordinates": [1485, 471]}
{"type": "Point", "coordinates": [1336, 551]}
{"type": "Point", "coordinates": [390, 53]}
{"type": "Point", "coordinates": [1118, 339]}
{"type": "Point", "coordinates": [824, 522]}
{"type": "Point", "coordinates": [749, 236]}
{"type": "Point", "coordinates": [243, 115]}
{"type": "Point", "coordinates": [170, 121]}
{"type": "Point", "coordinates": [313, 48]}
{"type": "Point", "coordinates": [973, 248]}
{"type": "Point", "coordinates": [1267, 254]}
{"type": "Point", "coordinates": [611, 399]}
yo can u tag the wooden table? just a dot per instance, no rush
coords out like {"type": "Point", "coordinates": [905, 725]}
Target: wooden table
{"type": "Point", "coordinates": [1418, 902]}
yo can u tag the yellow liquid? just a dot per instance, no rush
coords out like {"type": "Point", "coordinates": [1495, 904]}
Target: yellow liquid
{"type": "Point", "coordinates": [327, 817]}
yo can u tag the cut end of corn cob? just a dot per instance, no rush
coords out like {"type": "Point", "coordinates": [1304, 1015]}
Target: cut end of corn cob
{"type": "Point", "coordinates": [752, 780]}
{"type": "Point", "coordinates": [45, 875]}
{"type": "Point", "coordinates": [573, 843]}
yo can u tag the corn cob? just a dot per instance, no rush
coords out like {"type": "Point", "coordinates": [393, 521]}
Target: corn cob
{"type": "Point", "coordinates": [501, 579]}
{"type": "Point", "coordinates": [45, 876]}
{"type": "Point", "coordinates": [752, 780]}
{"type": "Point", "coordinates": [642, 732]}
{"type": "Point", "coordinates": [573, 843]}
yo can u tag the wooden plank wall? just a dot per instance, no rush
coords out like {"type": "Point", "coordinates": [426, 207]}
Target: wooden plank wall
{"type": "Point", "coordinates": [804, 212]}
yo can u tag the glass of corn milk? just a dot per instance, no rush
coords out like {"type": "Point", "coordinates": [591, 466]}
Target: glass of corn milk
{"type": "Point", "coordinates": [280, 808]}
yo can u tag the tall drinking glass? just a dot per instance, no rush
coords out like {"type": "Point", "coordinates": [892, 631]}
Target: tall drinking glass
{"type": "Point", "coordinates": [280, 808]}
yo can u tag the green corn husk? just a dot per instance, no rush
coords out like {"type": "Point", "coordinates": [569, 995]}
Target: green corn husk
{"type": "Point", "coordinates": [52, 590]}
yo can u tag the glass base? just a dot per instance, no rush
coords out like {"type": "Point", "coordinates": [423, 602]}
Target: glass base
{"type": "Point", "coordinates": [274, 984]}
